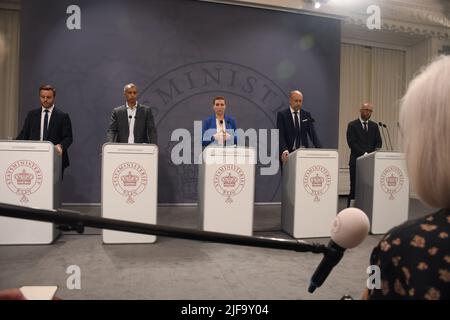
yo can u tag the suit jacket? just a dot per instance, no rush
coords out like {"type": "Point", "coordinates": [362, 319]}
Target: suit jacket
{"type": "Point", "coordinates": [360, 141]}
{"type": "Point", "coordinates": [59, 130]}
{"type": "Point", "coordinates": [285, 124]}
{"type": "Point", "coordinates": [144, 125]}
{"type": "Point", "coordinates": [210, 123]}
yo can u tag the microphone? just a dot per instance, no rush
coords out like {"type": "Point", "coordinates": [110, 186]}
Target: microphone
{"type": "Point", "coordinates": [350, 228]}
{"type": "Point", "coordinates": [382, 132]}
{"type": "Point", "coordinates": [223, 132]}
{"type": "Point", "coordinates": [389, 136]}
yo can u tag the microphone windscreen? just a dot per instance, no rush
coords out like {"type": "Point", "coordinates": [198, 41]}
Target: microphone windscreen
{"type": "Point", "coordinates": [380, 124]}
{"type": "Point", "coordinates": [350, 228]}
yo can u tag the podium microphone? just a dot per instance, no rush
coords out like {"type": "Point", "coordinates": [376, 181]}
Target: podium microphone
{"type": "Point", "coordinates": [382, 132]}
{"type": "Point", "coordinates": [223, 132]}
{"type": "Point", "coordinates": [350, 228]}
{"type": "Point", "coordinates": [389, 136]}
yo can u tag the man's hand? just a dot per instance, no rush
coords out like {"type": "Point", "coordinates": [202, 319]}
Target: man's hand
{"type": "Point", "coordinates": [284, 156]}
{"type": "Point", "coordinates": [11, 294]}
{"type": "Point", "coordinates": [59, 149]}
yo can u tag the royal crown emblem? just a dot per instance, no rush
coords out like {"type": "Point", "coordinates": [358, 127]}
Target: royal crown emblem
{"type": "Point", "coordinates": [391, 181]}
{"type": "Point", "coordinates": [24, 177]}
{"type": "Point", "coordinates": [130, 179]}
{"type": "Point", "coordinates": [317, 181]}
{"type": "Point", "coordinates": [229, 180]}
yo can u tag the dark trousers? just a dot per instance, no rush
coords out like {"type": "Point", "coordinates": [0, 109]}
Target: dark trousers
{"type": "Point", "coordinates": [352, 184]}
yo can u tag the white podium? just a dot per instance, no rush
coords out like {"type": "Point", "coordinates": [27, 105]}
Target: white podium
{"type": "Point", "coordinates": [31, 177]}
{"type": "Point", "coordinates": [226, 185]}
{"type": "Point", "coordinates": [129, 188]}
{"type": "Point", "coordinates": [382, 189]}
{"type": "Point", "coordinates": [309, 192]}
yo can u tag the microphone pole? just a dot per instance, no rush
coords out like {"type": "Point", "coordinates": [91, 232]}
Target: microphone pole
{"type": "Point", "coordinates": [389, 136]}
{"type": "Point", "coordinates": [77, 221]}
{"type": "Point", "coordinates": [382, 132]}
{"type": "Point", "coordinates": [223, 133]}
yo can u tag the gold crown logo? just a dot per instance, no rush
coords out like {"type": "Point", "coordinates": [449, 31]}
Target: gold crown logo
{"type": "Point", "coordinates": [229, 181]}
{"type": "Point", "coordinates": [129, 180]}
{"type": "Point", "coordinates": [317, 181]}
{"type": "Point", "coordinates": [24, 178]}
{"type": "Point", "coordinates": [392, 180]}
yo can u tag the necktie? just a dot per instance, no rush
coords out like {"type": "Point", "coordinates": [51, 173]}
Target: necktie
{"type": "Point", "coordinates": [44, 136]}
{"type": "Point", "coordinates": [297, 131]}
{"type": "Point", "coordinates": [365, 126]}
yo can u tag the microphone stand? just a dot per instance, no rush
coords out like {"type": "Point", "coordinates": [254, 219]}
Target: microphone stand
{"type": "Point", "coordinates": [389, 136]}
{"type": "Point", "coordinates": [380, 124]}
{"type": "Point", "coordinates": [77, 221]}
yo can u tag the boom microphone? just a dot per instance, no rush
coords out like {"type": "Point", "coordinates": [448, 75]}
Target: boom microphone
{"type": "Point", "coordinates": [350, 228]}
{"type": "Point", "coordinates": [389, 136]}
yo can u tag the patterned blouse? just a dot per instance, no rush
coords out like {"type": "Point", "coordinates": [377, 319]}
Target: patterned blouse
{"type": "Point", "coordinates": [414, 260]}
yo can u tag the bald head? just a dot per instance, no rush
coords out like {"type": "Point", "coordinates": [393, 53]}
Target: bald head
{"type": "Point", "coordinates": [296, 100]}
{"type": "Point", "coordinates": [366, 111]}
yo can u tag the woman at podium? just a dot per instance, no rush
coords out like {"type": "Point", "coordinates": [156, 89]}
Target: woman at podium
{"type": "Point", "coordinates": [219, 128]}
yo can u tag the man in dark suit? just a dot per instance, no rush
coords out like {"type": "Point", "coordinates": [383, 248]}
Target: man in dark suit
{"type": "Point", "coordinates": [48, 123]}
{"type": "Point", "coordinates": [295, 125]}
{"type": "Point", "coordinates": [132, 122]}
{"type": "Point", "coordinates": [363, 136]}
{"type": "Point", "coordinates": [219, 128]}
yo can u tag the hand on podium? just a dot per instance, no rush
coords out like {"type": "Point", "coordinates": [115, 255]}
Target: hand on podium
{"type": "Point", "coordinates": [59, 149]}
{"type": "Point", "coordinates": [221, 137]}
{"type": "Point", "coordinates": [284, 156]}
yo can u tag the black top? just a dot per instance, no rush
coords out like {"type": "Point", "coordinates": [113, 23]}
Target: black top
{"type": "Point", "coordinates": [59, 130]}
{"type": "Point", "coordinates": [414, 260]}
{"type": "Point", "coordinates": [361, 141]}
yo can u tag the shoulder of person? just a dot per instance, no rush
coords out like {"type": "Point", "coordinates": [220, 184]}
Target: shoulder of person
{"type": "Point", "coordinates": [119, 108]}
{"type": "Point", "coordinates": [412, 227]}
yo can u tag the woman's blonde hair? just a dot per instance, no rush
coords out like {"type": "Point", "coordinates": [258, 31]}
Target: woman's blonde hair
{"type": "Point", "coordinates": [425, 125]}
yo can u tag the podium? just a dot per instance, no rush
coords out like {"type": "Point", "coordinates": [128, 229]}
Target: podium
{"type": "Point", "coordinates": [382, 189]}
{"type": "Point", "coordinates": [226, 183]}
{"type": "Point", "coordinates": [31, 177]}
{"type": "Point", "coordinates": [129, 188]}
{"type": "Point", "coordinates": [309, 192]}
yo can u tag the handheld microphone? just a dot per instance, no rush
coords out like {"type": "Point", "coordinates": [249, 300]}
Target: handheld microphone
{"type": "Point", "coordinates": [389, 136]}
{"type": "Point", "coordinates": [382, 132]}
{"type": "Point", "coordinates": [349, 229]}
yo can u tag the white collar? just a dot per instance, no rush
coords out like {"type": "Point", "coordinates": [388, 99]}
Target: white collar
{"type": "Point", "coordinates": [50, 110]}
{"type": "Point", "coordinates": [135, 107]}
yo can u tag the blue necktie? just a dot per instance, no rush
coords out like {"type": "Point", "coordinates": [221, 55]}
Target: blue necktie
{"type": "Point", "coordinates": [44, 136]}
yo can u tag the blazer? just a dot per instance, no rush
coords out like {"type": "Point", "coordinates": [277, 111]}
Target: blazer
{"type": "Point", "coordinates": [59, 130]}
{"type": "Point", "coordinates": [210, 123]}
{"type": "Point", "coordinates": [144, 125]}
{"type": "Point", "coordinates": [286, 127]}
{"type": "Point", "coordinates": [360, 141]}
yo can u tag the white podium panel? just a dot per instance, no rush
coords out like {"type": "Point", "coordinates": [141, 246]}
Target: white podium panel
{"type": "Point", "coordinates": [31, 171]}
{"type": "Point", "coordinates": [382, 189]}
{"type": "Point", "coordinates": [310, 193]}
{"type": "Point", "coordinates": [129, 188]}
{"type": "Point", "coordinates": [227, 190]}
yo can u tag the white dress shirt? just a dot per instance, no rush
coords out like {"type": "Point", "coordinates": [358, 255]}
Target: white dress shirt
{"type": "Point", "coordinates": [50, 110]}
{"type": "Point", "coordinates": [131, 112]}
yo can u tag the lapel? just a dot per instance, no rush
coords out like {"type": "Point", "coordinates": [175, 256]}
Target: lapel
{"type": "Point", "coordinates": [53, 120]}
{"type": "Point", "coordinates": [138, 121]}
{"type": "Point", "coordinates": [290, 121]}
{"type": "Point", "coordinates": [123, 118]}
